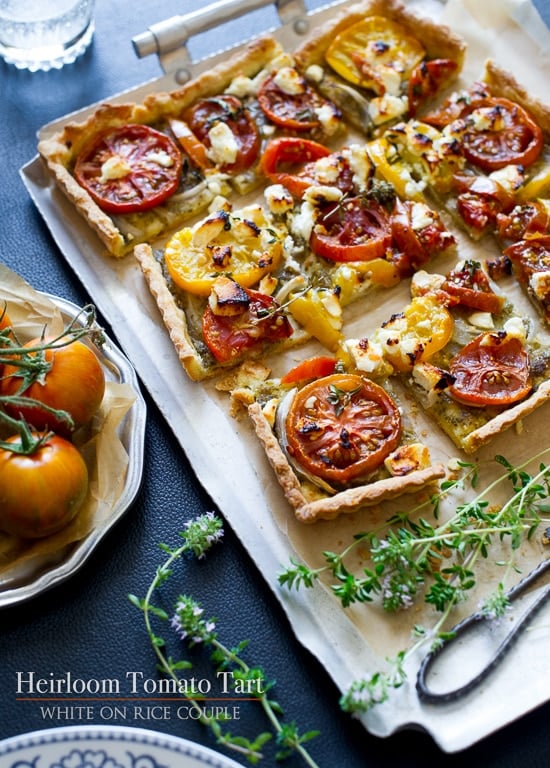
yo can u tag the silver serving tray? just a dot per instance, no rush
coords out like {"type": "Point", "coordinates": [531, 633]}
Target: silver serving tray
{"type": "Point", "coordinates": [48, 573]}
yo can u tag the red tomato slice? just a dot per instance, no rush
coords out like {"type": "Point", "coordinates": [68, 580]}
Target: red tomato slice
{"type": "Point", "coordinates": [229, 337]}
{"type": "Point", "coordinates": [418, 242]}
{"type": "Point", "coordinates": [470, 286]}
{"type": "Point", "coordinates": [492, 370]}
{"type": "Point", "coordinates": [480, 200]}
{"type": "Point", "coordinates": [457, 105]}
{"type": "Point", "coordinates": [342, 427]}
{"type": "Point", "coordinates": [356, 229]}
{"type": "Point", "coordinates": [293, 111]}
{"type": "Point", "coordinates": [128, 169]}
{"type": "Point", "coordinates": [427, 80]}
{"type": "Point", "coordinates": [523, 221]}
{"type": "Point", "coordinates": [513, 138]}
{"type": "Point", "coordinates": [530, 256]}
{"type": "Point", "coordinates": [313, 368]}
{"type": "Point", "coordinates": [292, 152]}
{"type": "Point", "coordinates": [206, 113]}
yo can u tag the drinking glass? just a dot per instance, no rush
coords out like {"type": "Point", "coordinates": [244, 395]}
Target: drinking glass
{"type": "Point", "coordinates": [44, 34]}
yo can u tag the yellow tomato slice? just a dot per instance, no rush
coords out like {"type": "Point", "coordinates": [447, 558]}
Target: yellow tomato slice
{"type": "Point", "coordinates": [241, 245]}
{"type": "Point", "coordinates": [394, 171]}
{"type": "Point", "coordinates": [365, 52]}
{"type": "Point", "coordinates": [320, 313]}
{"type": "Point", "coordinates": [416, 334]}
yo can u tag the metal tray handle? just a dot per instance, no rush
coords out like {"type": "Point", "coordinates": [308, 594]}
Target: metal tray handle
{"type": "Point", "coordinates": [168, 38]}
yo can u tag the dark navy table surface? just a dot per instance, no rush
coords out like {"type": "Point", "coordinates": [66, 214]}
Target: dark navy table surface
{"type": "Point", "coordinates": [87, 626]}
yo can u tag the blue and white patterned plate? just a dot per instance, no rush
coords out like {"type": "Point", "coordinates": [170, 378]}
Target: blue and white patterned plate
{"type": "Point", "coordinates": [106, 747]}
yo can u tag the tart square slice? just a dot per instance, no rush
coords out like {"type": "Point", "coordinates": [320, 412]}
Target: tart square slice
{"type": "Point", "coordinates": [337, 442]}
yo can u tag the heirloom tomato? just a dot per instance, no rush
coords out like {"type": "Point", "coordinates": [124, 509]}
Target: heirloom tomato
{"type": "Point", "coordinates": [240, 131]}
{"type": "Point", "coordinates": [40, 491]}
{"type": "Point", "coordinates": [366, 52]}
{"type": "Point", "coordinates": [342, 427]}
{"type": "Point", "coordinates": [69, 378]}
{"type": "Point", "coordinates": [131, 168]}
{"type": "Point", "coordinates": [492, 370]}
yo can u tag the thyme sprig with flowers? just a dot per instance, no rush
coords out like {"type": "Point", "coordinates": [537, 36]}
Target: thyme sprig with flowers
{"type": "Point", "coordinates": [413, 551]}
{"type": "Point", "coordinates": [188, 621]}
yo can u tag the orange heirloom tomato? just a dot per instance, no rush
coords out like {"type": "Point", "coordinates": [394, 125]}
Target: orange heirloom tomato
{"type": "Point", "coordinates": [341, 427]}
{"type": "Point", "coordinates": [40, 492]}
{"type": "Point", "coordinates": [74, 383]}
{"type": "Point", "coordinates": [5, 321]}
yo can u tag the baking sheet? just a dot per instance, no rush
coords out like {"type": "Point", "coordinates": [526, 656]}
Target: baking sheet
{"type": "Point", "coordinates": [356, 642]}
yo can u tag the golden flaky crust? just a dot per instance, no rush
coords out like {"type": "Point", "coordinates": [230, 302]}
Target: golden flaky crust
{"type": "Point", "coordinates": [438, 40]}
{"type": "Point", "coordinates": [60, 150]}
{"type": "Point", "coordinates": [172, 316]}
{"type": "Point", "coordinates": [485, 434]}
{"type": "Point", "coordinates": [343, 502]}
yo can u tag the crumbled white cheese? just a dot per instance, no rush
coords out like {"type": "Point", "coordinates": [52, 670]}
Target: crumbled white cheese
{"type": "Point", "coordinates": [366, 354]}
{"type": "Point", "coordinates": [115, 167]}
{"type": "Point", "coordinates": [278, 199]}
{"type": "Point", "coordinates": [289, 81]}
{"type": "Point", "coordinates": [161, 158]}
{"type": "Point", "coordinates": [515, 328]}
{"type": "Point", "coordinates": [224, 147]}
{"type": "Point", "coordinates": [360, 163]}
{"type": "Point", "coordinates": [387, 107]}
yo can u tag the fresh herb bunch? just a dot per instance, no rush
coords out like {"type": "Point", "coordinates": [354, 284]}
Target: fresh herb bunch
{"type": "Point", "coordinates": [410, 555]}
{"type": "Point", "coordinates": [192, 627]}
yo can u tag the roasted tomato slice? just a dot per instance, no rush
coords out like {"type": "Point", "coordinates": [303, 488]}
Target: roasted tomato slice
{"type": "Point", "coordinates": [242, 245]}
{"type": "Point", "coordinates": [238, 319]}
{"type": "Point", "coordinates": [492, 370]}
{"type": "Point", "coordinates": [312, 368]}
{"type": "Point", "coordinates": [427, 80]}
{"type": "Point", "coordinates": [355, 229]}
{"type": "Point", "coordinates": [290, 102]}
{"type": "Point", "coordinates": [480, 200]}
{"type": "Point", "coordinates": [374, 51]}
{"type": "Point", "coordinates": [341, 427]}
{"type": "Point", "coordinates": [129, 169]}
{"type": "Point", "coordinates": [458, 104]}
{"type": "Point", "coordinates": [530, 256]}
{"type": "Point", "coordinates": [527, 220]}
{"type": "Point", "coordinates": [531, 264]}
{"type": "Point", "coordinates": [419, 232]}
{"type": "Point", "coordinates": [423, 328]}
{"type": "Point", "coordinates": [227, 129]}
{"type": "Point", "coordinates": [500, 133]}
{"type": "Point", "coordinates": [290, 161]}
{"type": "Point", "coordinates": [469, 284]}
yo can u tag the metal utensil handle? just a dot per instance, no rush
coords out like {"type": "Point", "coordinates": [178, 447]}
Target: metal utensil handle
{"type": "Point", "coordinates": [173, 33]}
{"type": "Point", "coordinates": [431, 697]}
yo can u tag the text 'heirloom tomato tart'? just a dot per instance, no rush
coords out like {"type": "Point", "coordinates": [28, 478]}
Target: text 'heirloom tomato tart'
{"type": "Point", "coordinates": [336, 440]}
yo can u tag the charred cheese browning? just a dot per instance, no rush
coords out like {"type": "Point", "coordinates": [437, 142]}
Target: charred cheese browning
{"type": "Point", "coordinates": [227, 298]}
